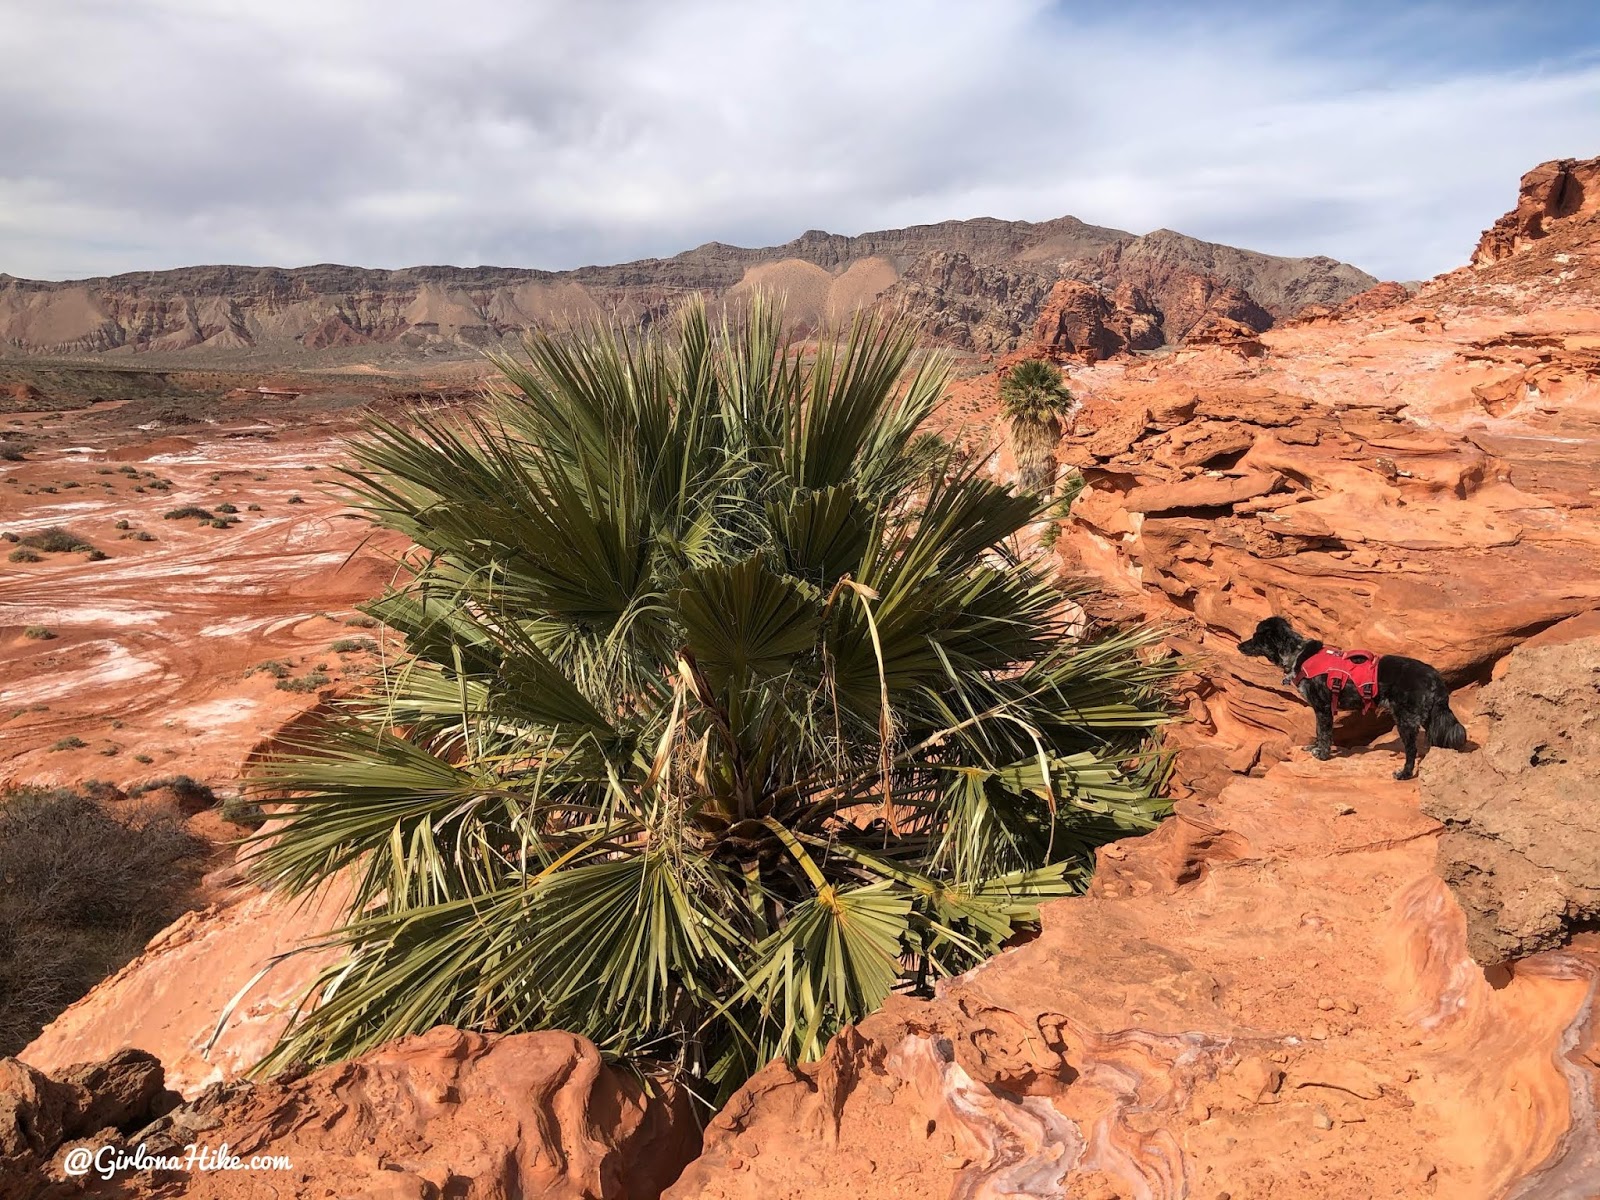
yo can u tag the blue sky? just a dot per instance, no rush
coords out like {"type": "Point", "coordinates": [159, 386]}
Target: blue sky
{"type": "Point", "coordinates": [144, 134]}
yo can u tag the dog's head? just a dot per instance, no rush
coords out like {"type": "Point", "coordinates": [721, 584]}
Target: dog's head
{"type": "Point", "coordinates": [1274, 640]}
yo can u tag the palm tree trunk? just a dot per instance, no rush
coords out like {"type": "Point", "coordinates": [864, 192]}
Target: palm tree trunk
{"type": "Point", "coordinates": [1033, 441]}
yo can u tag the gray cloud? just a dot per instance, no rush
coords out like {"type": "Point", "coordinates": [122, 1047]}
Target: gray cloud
{"type": "Point", "coordinates": [140, 134]}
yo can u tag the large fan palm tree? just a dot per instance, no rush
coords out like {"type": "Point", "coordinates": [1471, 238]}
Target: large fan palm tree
{"type": "Point", "coordinates": [727, 708]}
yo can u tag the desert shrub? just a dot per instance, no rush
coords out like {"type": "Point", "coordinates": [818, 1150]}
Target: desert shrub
{"type": "Point", "coordinates": [23, 554]}
{"type": "Point", "coordinates": [1071, 488]}
{"type": "Point", "coordinates": [81, 891]}
{"type": "Point", "coordinates": [275, 667]}
{"type": "Point", "coordinates": [12, 453]}
{"type": "Point", "coordinates": [70, 484]}
{"type": "Point", "coordinates": [295, 499]}
{"type": "Point", "coordinates": [71, 742]}
{"type": "Point", "coordinates": [730, 709]}
{"type": "Point", "coordinates": [38, 633]}
{"type": "Point", "coordinates": [252, 508]}
{"type": "Point", "coordinates": [187, 511]}
{"type": "Point", "coordinates": [160, 485]}
{"type": "Point", "coordinates": [227, 508]}
{"type": "Point", "coordinates": [8, 536]}
{"type": "Point", "coordinates": [127, 470]}
{"type": "Point", "coordinates": [237, 810]}
{"type": "Point", "coordinates": [97, 556]}
{"type": "Point", "coordinates": [309, 682]}
{"type": "Point", "coordinates": [143, 536]}
{"type": "Point", "coordinates": [56, 540]}
{"type": "Point", "coordinates": [189, 792]}
{"type": "Point", "coordinates": [143, 758]}
{"type": "Point", "coordinates": [354, 646]}
{"type": "Point", "coordinates": [49, 491]}
{"type": "Point", "coordinates": [361, 621]}
{"type": "Point", "coordinates": [123, 524]}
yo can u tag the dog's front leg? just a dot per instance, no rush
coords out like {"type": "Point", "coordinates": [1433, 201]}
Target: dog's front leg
{"type": "Point", "coordinates": [1408, 739]}
{"type": "Point", "coordinates": [1322, 747]}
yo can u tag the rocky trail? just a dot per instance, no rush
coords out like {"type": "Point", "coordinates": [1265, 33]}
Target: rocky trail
{"type": "Point", "coordinates": [1313, 981]}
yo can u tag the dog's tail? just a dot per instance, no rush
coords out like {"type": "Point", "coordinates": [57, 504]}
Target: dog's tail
{"type": "Point", "coordinates": [1443, 728]}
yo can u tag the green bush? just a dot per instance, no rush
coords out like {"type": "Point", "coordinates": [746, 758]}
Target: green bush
{"type": "Point", "coordinates": [187, 511]}
{"type": "Point", "coordinates": [189, 792]}
{"type": "Point", "coordinates": [236, 810]}
{"type": "Point", "coordinates": [355, 646]}
{"type": "Point", "coordinates": [71, 742]}
{"type": "Point", "coordinates": [38, 633]}
{"type": "Point", "coordinates": [56, 540]}
{"type": "Point", "coordinates": [123, 524]}
{"type": "Point", "coordinates": [309, 682]}
{"type": "Point", "coordinates": [23, 554]}
{"type": "Point", "coordinates": [295, 499]}
{"type": "Point", "coordinates": [227, 508]}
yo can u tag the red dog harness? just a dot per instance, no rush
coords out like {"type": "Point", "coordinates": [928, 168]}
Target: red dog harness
{"type": "Point", "coordinates": [1359, 667]}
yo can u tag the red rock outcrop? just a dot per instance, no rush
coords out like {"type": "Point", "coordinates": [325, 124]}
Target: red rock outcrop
{"type": "Point", "coordinates": [444, 1114]}
{"type": "Point", "coordinates": [1417, 475]}
{"type": "Point", "coordinates": [1522, 841]}
{"type": "Point", "coordinates": [38, 1114]}
{"type": "Point", "coordinates": [1551, 192]}
{"type": "Point", "coordinates": [1082, 322]}
{"type": "Point", "coordinates": [170, 1001]}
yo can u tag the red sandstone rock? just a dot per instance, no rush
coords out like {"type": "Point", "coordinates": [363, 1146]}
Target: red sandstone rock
{"type": "Point", "coordinates": [168, 1001]}
{"type": "Point", "coordinates": [1551, 192]}
{"type": "Point", "coordinates": [444, 1114]}
{"type": "Point", "coordinates": [1080, 321]}
{"type": "Point", "coordinates": [1523, 843]}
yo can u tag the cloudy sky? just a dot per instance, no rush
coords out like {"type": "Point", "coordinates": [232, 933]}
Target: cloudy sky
{"type": "Point", "coordinates": [144, 134]}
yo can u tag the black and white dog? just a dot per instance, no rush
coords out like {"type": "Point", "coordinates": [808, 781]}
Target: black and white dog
{"type": "Point", "coordinates": [1411, 690]}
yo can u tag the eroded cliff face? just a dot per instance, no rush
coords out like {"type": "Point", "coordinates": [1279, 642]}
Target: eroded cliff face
{"type": "Point", "coordinates": [1521, 845]}
{"type": "Point", "coordinates": [975, 285]}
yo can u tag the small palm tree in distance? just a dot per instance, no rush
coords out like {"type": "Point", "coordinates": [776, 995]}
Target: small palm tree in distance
{"type": "Point", "coordinates": [1034, 399]}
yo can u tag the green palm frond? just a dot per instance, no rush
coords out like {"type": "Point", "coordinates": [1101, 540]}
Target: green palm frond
{"type": "Point", "coordinates": [728, 706]}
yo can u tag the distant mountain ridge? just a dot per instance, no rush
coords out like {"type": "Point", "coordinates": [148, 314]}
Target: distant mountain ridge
{"type": "Point", "coordinates": [977, 284]}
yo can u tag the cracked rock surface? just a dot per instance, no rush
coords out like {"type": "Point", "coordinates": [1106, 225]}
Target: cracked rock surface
{"type": "Point", "coordinates": [1521, 845]}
